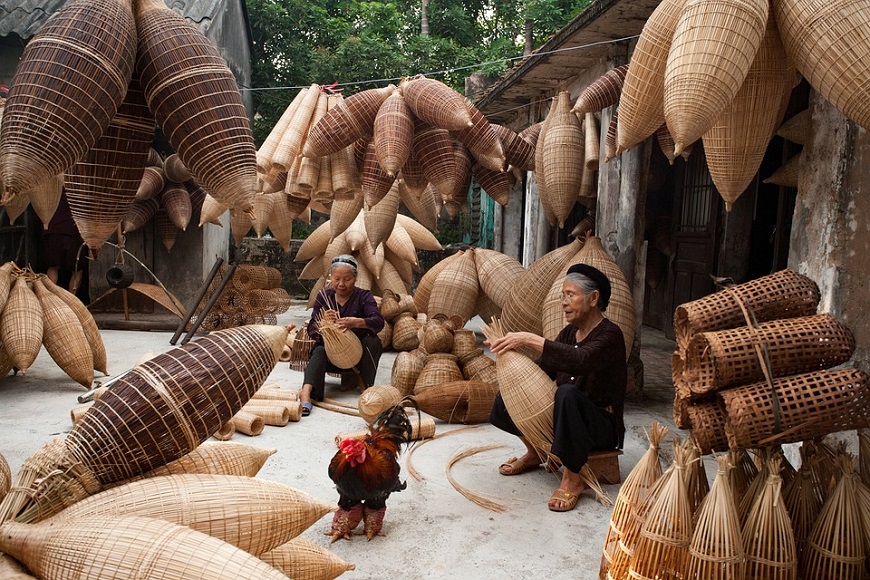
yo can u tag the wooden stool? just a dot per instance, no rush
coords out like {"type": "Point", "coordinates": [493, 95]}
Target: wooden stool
{"type": "Point", "coordinates": [605, 465]}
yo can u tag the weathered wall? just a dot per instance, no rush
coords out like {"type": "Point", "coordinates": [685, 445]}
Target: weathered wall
{"type": "Point", "coordinates": [832, 220]}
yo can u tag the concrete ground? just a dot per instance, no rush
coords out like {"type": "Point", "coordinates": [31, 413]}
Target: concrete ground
{"type": "Point", "coordinates": [431, 530]}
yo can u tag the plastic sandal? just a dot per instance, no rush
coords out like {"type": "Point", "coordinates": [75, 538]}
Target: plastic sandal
{"type": "Point", "coordinates": [306, 409]}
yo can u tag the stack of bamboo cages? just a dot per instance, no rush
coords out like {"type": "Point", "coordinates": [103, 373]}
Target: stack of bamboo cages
{"type": "Point", "coordinates": [253, 296]}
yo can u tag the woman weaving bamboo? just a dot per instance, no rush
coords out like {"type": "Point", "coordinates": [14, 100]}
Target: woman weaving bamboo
{"type": "Point", "coordinates": [349, 308]}
{"type": "Point", "coordinates": [587, 361]}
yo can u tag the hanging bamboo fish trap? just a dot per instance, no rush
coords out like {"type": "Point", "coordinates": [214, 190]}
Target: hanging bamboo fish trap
{"type": "Point", "coordinates": [436, 103]}
{"type": "Point", "coordinates": [421, 206]}
{"type": "Point", "coordinates": [798, 128]}
{"type": "Point", "coordinates": [433, 148]}
{"type": "Point", "coordinates": [787, 174]}
{"type": "Point", "coordinates": [347, 122]}
{"type": "Point", "coordinates": [496, 184]}
{"type": "Point", "coordinates": [455, 289]}
{"type": "Point", "coordinates": [380, 219]}
{"type": "Point", "coordinates": [375, 182]}
{"type": "Point", "coordinates": [562, 159]}
{"type": "Point", "coordinates": [481, 140]}
{"type": "Point", "coordinates": [601, 93]}
{"type": "Point", "coordinates": [67, 87]}
{"type": "Point", "coordinates": [496, 273]}
{"type": "Point", "coordinates": [518, 152]}
{"type": "Point", "coordinates": [139, 213]}
{"type": "Point", "coordinates": [393, 133]}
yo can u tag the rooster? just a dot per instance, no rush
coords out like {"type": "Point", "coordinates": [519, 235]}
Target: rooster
{"type": "Point", "coordinates": [366, 472]}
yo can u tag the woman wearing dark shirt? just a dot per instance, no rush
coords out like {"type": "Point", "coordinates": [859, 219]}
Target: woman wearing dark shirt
{"type": "Point", "coordinates": [587, 361]}
{"type": "Point", "coordinates": [357, 312]}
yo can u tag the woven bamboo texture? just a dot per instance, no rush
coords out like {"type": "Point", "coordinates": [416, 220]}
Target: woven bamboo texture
{"type": "Point", "coordinates": [621, 308]}
{"type": "Point", "coordinates": [496, 273]}
{"type": "Point", "coordinates": [315, 244]}
{"type": "Point", "coordinates": [195, 99]}
{"type": "Point", "coordinates": [380, 219]}
{"type": "Point", "coordinates": [267, 149]}
{"type": "Point", "coordinates": [496, 184]}
{"type": "Point", "coordinates": [464, 342]}
{"type": "Point", "coordinates": [421, 206]}
{"type": "Point", "coordinates": [421, 428]}
{"type": "Point", "coordinates": [713, 47]}
{"type": "Point", "coordinates": [591, 145]}
{"type": "Point", "coordinates": [346, 123]}
{"type": "Point", "coordinates": [768, 538]}
{"type": "Point", "coordinates": [422, 238]}
{"type": "Point", "coordinates": [518, 152]}
{"type": "Point", "coordinates": [735, 145]}
{"type": "Point", "coordinates": [67, 87]}
{"type": "Point", "coordinates": [21, 325]}
{"type": "Point", "coordinates": [478, 366]}
{"type": "Point", "coordinates": [175, 169]}
{"type": "Point", "coordinates": [455, 289]}
{"type": "Point", "coordinates": [798, 128]}
{"type": "Point", "coordinates": [809, 405]}
{"type": "Point", "coordinates": [45, 197]}
{"type": "Point", "coordinates": [481, 140]}
{"type": "Point", "coordinates": [783, 294]}
{"type": "Point", "coordinates": [393, 133]}
{"type": "Point", "coordinates": [828, 44]}
{"type": "Point", "coordinates": [438, 368]}
{"type": "Point", "coordinates": [345, 174]}
{"type": "Point", "coordinates": [602, 92]}
{"type": "Point", "coordinates": [211, 211]}
{"type": "Point", "coordinates": [376, 399]}
{"type": "Point", "coordinates": [436, 104]}
{"type": "Point", "coordinates": [697, 484]}
{"type": "Point", "coordinates": [406, 370]}
{"type": "Point", "coordinates": [433, 148]}
{"type": "Point", "coordinates": [787, 174]}
{"type": "Point", "coordinates": [139, 213]}
{"type": "Point", "coordinates": [531, 133]}
{"type": "Point", "coordinates": [248, 423]}
{"type": "Point", "coordinates": [423, 292]}
{"type": "Point", "coordinates": [226, 432]}
{"type": "Point", "coordinates": [255, 515]}
{"type": "Point", "coordinates": [707, 421]}
{"type": "Point", "coordinates": [803, 500]}
{"type": "Point", "coordinates": [64, 338]}
{"type": "Point", "coordinates": [90, 548]}
{"type": "Point", "coordinates": [344, 212]}
{"type": "Point", "coordinates": [717, 546]}
{"type": "Point", "coordinates": [437, 337]}
{"type": "Point", "coordinates": [641, 105]}
{"type": "Point", "coordinates": [375, 182]}
{"type": "Point", "coordinates": [87, 322]}
{"type": "Point", "coordinates": [624, 520]}
{"type": "Point", "coordinates": [168, 231]}
{"type": "Point", "coordinates": [218, 459]}
{"type": "Point", "coordinates": [465, 402]}
{"type": "Point", "coordinates": [262, 208]}
{"type": "Point", "coordinates": [562, 159]}
{"type": "Point", "coordinates": [552, 315]}
{"type": "Point", "coordinates": [5, 477]}
{"type": "Point", "coordinates": [304, 560]}
{"type": "Point", "coordinates": [176, 201]}
{"type": "Point", "coordinates": [522, 310]}
{"type": "Point", "coordinates": [153, 179]}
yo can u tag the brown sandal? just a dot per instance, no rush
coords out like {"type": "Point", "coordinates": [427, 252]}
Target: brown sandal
{"type": "Point", "coordinates": [513, 467]}
{"type": "Point", "coordinates": [566, 496]}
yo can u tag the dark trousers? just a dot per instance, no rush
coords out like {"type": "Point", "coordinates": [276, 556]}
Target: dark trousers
{"type": "Point", "coordinates": [319, 365]}
{"type": "Point", "coordinates": [579, 426]}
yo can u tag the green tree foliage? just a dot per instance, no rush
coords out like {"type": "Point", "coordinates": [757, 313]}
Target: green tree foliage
{"type": "Point", "coordinates": [300, 42]}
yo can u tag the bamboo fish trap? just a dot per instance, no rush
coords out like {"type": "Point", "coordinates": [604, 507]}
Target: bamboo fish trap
{"type": "Point", "coordinates": [343, 347]}
{"type": "Point", "coordinates": [768, 538]}
{"type": "Point", "coordinates": [67, 88]}
{"type": "Point", "coordinates": [86, 319]}
{"type": "Point", "coordinates": [5, 477]}
{"type": "Point", "coordinates": [253, 514]}
{"type": "Point", "coordinates": [305, 560]}
{"type": "Point", "coordinates": [88, 548]}
{"type": "Point", "coordinates": [64, 338]}
{"type": "Point", "coordinates": [195, 98]}
{"type": "Point", "coordinates": [458, 401]}
{"type": "Point", "coordinates": [158, 412]}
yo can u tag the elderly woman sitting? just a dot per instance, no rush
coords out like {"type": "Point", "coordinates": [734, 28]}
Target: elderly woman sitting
{"type": "Point", "coordinates": [358, 312]}
{"type": "Point", "coordinates": [587, 361]}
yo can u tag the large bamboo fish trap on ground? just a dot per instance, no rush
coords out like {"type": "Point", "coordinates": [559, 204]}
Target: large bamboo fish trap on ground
{"type": "Point", "coordinates": [458, 401]}
{"type": "Point", "coordinates": [305, 560]}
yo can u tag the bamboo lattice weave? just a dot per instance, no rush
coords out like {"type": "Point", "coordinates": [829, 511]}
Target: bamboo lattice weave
{"type": "Point", "coordinates": [347, 122]}
{"type": "Point", "coordinates": [481, 140]}
{"type": "Point", "coordinates": [601, 93]}
{"type": "Point", "coordinates": [64, 338]}
{"type": "Point", "coordinates": [305, 560]}
{"type": "Point", "coordinates": [436, 104]}
{"type": "Point", "coordinates": [393, 133]}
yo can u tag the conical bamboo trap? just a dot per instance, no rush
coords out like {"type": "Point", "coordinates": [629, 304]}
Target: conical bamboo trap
{"type": "Point", "coordinates": [561, 158]}
{"type": "Point", "coordinates": [305, 560]}
{"type": "Point", "coordinates": [454, 291]}
{"type": "Point", "coordinates": [768, 539]}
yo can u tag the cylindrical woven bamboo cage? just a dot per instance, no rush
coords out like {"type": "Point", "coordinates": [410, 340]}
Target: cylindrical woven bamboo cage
{"type": "Point", "coordinates": [707, 421]}
{"type": "Point", "coordinates": [406, 370]}
{"type": "Point", "coordinates": [21, 325]}
{"type": "Point", "coordinates": [433, 148]}
{"type": "Point", "coordinates": [562, 160]}
{"type": "Point", "coordinates": [393, 132]}
{"type": "Point", "coordinates": [345, 123]}
{"type": "Point", "coordinates": [436, 103]}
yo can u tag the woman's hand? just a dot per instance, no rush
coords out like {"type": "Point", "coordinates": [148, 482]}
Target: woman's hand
{"type": "Point", "coordinates": [349, 322]}
{"type": "Point", "coordinates": [514, 340]}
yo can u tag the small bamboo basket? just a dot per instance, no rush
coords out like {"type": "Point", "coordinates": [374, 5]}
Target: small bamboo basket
{"type": "Point", "coordinates": [376, 399]}
{"type": "Point", "coordinates": [405, 332]}
{"type": "Point", "coordinates": [438, 368]}
{"type": "Point", "coordinates": [301, 349]}
{"type": "Point", "coordinates": [406, 370]}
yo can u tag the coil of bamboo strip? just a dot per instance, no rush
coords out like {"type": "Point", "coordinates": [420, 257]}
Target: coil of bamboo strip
{"type": "Point", "coordinates": [712, 50]}
{"type": "Point", "coordinates": [21, 325]}
{"type": "Point", "coordinates": [602, 92]}
{"type": "Point", "coordinates": [85, 547]}
{"type": "Point", "coordinates": [63, 337]}
{"type": "Point", "coordinates": [207, 125]}
{"type": "Point", "coordinates": [436, 103]}
{"type": "Point", "coordinates": [347, 122]}
{"type": "Point", "coordinates": [67, 87]}
{"type": "Point", "coordinates": [86, 319]}
{"type": "Point", "coordinates": [305, 560]}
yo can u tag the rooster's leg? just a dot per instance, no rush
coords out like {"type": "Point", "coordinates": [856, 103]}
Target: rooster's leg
{"type": "Point", "coordinates": [344, 521]}
{"type": "Point", "coordinates": [373, 520]}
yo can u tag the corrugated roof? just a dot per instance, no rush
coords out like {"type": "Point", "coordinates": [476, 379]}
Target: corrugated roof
{"type": "Point", "coordinates": [541, 72]}
{"type": "Point", "coordinates": [26, 17]}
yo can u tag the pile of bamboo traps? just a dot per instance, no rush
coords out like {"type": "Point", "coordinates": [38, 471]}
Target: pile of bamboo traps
{"type": "Point", "coordinates": [753, 367]}
{"type": "Point", "coordinates": [779, 524]}
{"type": "Point", "coordinates": [87, 93]}
{"type": "Point", "coordinates": [35, 312]}
{"type": "Point", "coordinates": [253, 296]}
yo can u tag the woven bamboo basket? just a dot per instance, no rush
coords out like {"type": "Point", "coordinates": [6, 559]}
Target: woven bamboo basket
{"type": "Point", "coordinates": [139, 213]}
{"type": "Point", "coordinates": [175, 169]}
{"type": "Point", "coordinates": [496, 184]}
{"type": "Point", "coordinates": [11, 569]}
{"type": "Point", "coordinates": [601, 93]}
{"type": "Point", "coordinates": [305, 560]}
{"type": "Point", "coordinates": [218, 459]}
{"type": "Point", "coordinates": [167, 231]}
{"type": "Point", "coordinates": [522, 310]}
{"type": "Point", "coordinates": [287, 149]}
{"type": "Point", "coordinates": [768, 538]}
{"type": "Point", "coordinates": [343, 348]}
{"type": "Point", "coordinates": [611, 148]}
{"type": "Point", "coordinates": [826, 42]}
{"type": "Point", "coordinates": [438, 368]}
{"type": "Point", "coordinates": [211, 211]}
{"type": "Point", "coordinates": [347, 122]}
{"type": "Point", "coordinates": [263, 205]}
{"type": "Point", "coordinates": [422, 427]}
{"type": "Point", "coordinates": [433, 147]}
{"type": "Point", "coordinates": [762, 462]}
{"type": "Point", "coordinates": [531, 133]}
{"type": "Point", "coordinates": [421, 206]}
{"type": "Point", "coordinates": [195, 98]}
{"type": "Point", "coordinates": [86, 319]}
{"type": "Point", "coordinates": [401, 245]}
{"type": "Point", "coordinates": [389, 305]}
{"type": "Point", "coordinates": [518, 152]}
{"type": "Point", "coordinates": [437, 337]}
{"type": "Point", "coordinates": [697, 484]}
{"type": "Point", "coordinates": [810, 405]}
{"type": "Point", "coordinates": [455, 289]}
{"type": "Point", "coordinates": [64, 338]}
{"type": "Point", "coordinates": [712, 49]}
{"type": "Point", "coordinates": [835, 548]}
{"type": "Point", "coordinates": [662, 548]}
{"type": "Point", "coordinates": [315, 244]}
{"type": "Point", "coordinates": [496, 273]}
{"type": "Point", "coordinates": [251, 276]}
{"type": "Point", "coordinates": [67, 87]}
{"type": "Point", "coordinates": [21, 325]}
{"type": "Point", "coordinates": [176, 201]}
{"type": "Point", "coordinates": [632, 494]}
{"type": "Point", "coordinates": [783, 294]}
{"type": "Point", "coordinates": [719, 359]}
{"type": "Point", "coordinates": [16, 206]}
{"type": "Point", "coordinates": [641, 103]}
{"type": "Point", "coordinates": [798, 128]}
{"type": "Point", "coordinates": [481, 140]}
{"type": "Point", "coordinates": [707, 420]}
{"type": "Point", "coordinates": [153, 180]}
{"type": "Point", "coordinates": [255, 515]}
{"type": "Point", "coordinates": [267, 149]}
{"type": "Point", "coordinates": [464, 342]}
{"type": "Point", "coordinates": [375, 182]}
{"type": "Point", "coordinates": [345, 175]}
{"type": "Point", "coordinates": [528, 394]}
{"type": "Point", "coordinates": [406, 303]}
{"type": "Point", "coordinates": [406, 370]}
{"type": "Point", "coordinates": [423, 292]}
{"type": "Point", "coordinates": [226, 432]}
{"type": "Point", "coordinates": [412, 173]}
{"type": "Point", "coordinates": [45, 197]}
{"type": "Point", "coordinates": [458, 401]}
{"type": "Point", "coordinates": [386, 336]}
{"type": "Point", "coordinates": [735, 145]}
{"type": "Point", "coordinates": [380, 219]}
{"type": "Point", "coordinates": [377, 399]}
{"type": "Point", "coordinates": [621, 309]}
{"type": "Point", "coordinates": [436, 104]}
{"type": "Point", "coordinates": [344, 212]}
{"type": "Point", "coordinates": [5, 477]}
{"type": "Point", "coordinates": [5, 281]}
{"type": "Point", "coordinates": [591, 144]}
{"type": "Point", "coordinates": [562, 159]}
{"type": "Point", "coordinates": [84, 548]}
{"type": "Point", "coordinates": [788, 174]}
{"type": "Point", "coordinates": [477, 365]}
{"type": "Point", "coordinates": [393, 133]}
